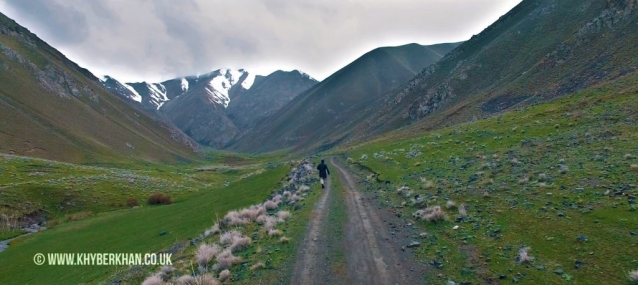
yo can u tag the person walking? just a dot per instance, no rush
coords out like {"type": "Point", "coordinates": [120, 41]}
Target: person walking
{"type": "Point", "coordinates": [323, 173]}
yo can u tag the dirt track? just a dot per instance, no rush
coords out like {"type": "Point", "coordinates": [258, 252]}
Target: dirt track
{"type": "Point", "coordinates": [375, 241]}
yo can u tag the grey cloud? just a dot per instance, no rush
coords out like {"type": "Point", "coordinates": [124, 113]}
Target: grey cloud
{"type": "Point", "coordinates": [153, 40]}
{"type": "Point", "coordinates": [64, 24]}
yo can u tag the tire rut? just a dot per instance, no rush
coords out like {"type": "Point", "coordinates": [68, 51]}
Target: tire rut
{"type": "Point", "coordinates": [373, 255]}
{"type": "Point", "coordinates": [373, 243]}
{"type": "Point", "coordinates": [311, 254]}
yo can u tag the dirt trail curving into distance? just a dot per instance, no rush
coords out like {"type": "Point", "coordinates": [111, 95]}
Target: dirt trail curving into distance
{"type": "Point", "coordinates": [375, 241]}
{"type": "Point", "coordinates": [311, 259]}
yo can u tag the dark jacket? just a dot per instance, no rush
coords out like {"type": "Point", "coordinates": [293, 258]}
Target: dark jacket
{"type": "Point", "coordinates": [323, 170]}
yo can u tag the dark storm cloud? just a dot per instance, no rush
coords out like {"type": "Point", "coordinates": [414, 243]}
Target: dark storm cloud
{"type": "Point", "coordinates": [135, 40]}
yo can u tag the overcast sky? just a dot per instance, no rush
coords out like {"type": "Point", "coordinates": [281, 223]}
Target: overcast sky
{"type": "Point", "coordinates": [155, 40]}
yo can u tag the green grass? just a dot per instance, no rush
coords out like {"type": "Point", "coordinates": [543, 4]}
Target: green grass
{"type": "Point", "coordinates": [6, 234]}
{"type": "Point", "coordinates": [334, 231]}
{"type": "Point", "coordinates": [590, 132]}
{"type": "Point", "coordinates": [131, 230]}
{"type": "Point", "coordinates": [30, 186]}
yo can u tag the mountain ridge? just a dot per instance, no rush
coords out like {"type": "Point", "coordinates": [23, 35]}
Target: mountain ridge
{"type": "Point", "coordinates": [301, 122]}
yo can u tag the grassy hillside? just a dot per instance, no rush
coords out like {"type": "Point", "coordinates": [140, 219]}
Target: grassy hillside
{"type": "Point", "coordinates": [540, 50]}
{"type": "Point", "coordinates": [51, 108]}
{"type": "Point", "coordinates": [309, 119]}
{"type": "Point", "coordinates": [199, 196]}
{"type": "Point", "coordinates": [557, 178]}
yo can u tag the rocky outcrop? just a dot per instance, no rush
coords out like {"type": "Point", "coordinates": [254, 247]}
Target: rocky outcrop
{"type": "Point", "coordinates": [52, 78]}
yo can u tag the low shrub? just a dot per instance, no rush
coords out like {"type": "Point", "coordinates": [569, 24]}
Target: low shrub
{"type": "Point", "coordinates": [160, 199]}
{"type": "Point", "coordinates": [132, 202]}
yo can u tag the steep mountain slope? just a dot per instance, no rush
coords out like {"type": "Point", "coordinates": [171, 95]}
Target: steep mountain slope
{"type": "Point", "coordinates": [314, 114]}
{"type": "Point", "coordinates": [539, 50]}
{"type": "Point", "coordinates": [52, 108]}
{"type": "Point", "coordinates": [266, 96]}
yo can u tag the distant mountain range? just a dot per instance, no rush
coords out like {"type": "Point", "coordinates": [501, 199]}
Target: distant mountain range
{"type": "Point", "coordinates": [540, 50]}
{"type": "Point", "coordinates": [214, 108]}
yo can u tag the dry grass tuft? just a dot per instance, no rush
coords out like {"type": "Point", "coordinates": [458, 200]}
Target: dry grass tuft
{"type": "Point", "coordinates": [271, 205]}
{"type": "Point", "coordinates": [523, 255]}
{"type": "Point", "coordinates": [226, 259]}
{"type": "Point", "coordinates": [275, 232]}
{"type": "Point", "coordinates": [224, 275]}
{"type": "Point", "coordinates": [450, 204]}
{"type": "Point", "coordinates": [402, 189]}
{"type": "Point", "coordinates": [257, 266]}
{"type": "Point", "coordinates": [206, 279]}
{"type": "Point", "coordinates": [633, 276]}
{"type": "Point", "coordinates": [234, 240]}
{"type": "Point", "coordinates": [462, 211]}
{"type": "Point", "coordinates": [284, 240]}
{"type": "Point", "coordinates": [234, 218]}
{"type": "Point", "coordinates": [205, 254]}
{"type": "Point", "coordinates": [283, 215]}
{"type": "Point", "coordinates": [153, 280]}
{"type": "Point", "coordinates": [186, 280]}
{"type": "Point", "coordinates": [430, 214]}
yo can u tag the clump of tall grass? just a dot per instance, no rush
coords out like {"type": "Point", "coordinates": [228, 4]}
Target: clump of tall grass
{"type": "Point", "coordinates": [271, 205]}
{"type": "Point", "coordinates": [430, 214]}
{"type": "Point", "coordinates": [226, 260]}
{"type": "Point", "coordinates": [153, 280]}
{"type": "Point", "coordinates": [205, 254]}
{"type": "Point", "coordinates": [224, 275]}
{"type": "Point", "coordinates": [234, 240]}
{"type": "Point", "coordinates": [402, 189]}
{"type": "Point", "coordinates": [283, 215]}
{"type": "Point", "coordinates": [234, 218]}
{"type": "Point", "coordinates": [633, 276]}
{"type": "Point", "coordinates": [275, 232]}
{"type": "Point", "coordinates": [257, 266]}
{"type": "Point", "coordinates": [462, 211]}
{"type": "Point", "coordinates": [523, 255]}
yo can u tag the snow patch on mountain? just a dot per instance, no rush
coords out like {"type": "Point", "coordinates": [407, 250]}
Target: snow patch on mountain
{"type": "Point", "coordinates": [218, 90]}
{"type": "Point", "coordinates": [248, 82]}
{"type": "Point", "coordinates": [217, 96]}
{"type": "Point", "coordinates": [136, 96]}
{"type": "Point", "coordinates": [157, 91]}
{"type": "Point", "coordinates": [307, 75]}
{"type": "Point", "coordinates": [219, 86]}
{"type": "Point", "coordinates": [184, 85]}
{"type": "Point", "coordinates": [112, 83]}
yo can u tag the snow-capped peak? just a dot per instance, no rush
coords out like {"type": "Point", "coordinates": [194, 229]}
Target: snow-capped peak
{"type": "Point", "coordinates": [219, 85]}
